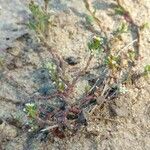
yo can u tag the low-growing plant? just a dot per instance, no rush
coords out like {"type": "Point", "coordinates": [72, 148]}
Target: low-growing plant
{"type": "Point", "coordinates": [123, 28]}
{"type": "Point", "coordinates": [131, 55]}
{"type": "Point", "coordinates": [147, 70]}
{"type": "Point", "coordinates": [119, 10]}
{"type": "Point", "coordinates": [144, 26]}
{"type": "Point", "coordinates": [89, 20]}
{"type": "Point", "coordinates": [1, 62]}
{"type": "Point", "coordinates": [95, 45]}
{"type": "Point", "coordinates": [52, 68]}
{"type": "Point", "coordinates": [113, 62]}
{"type": "Point", "coordinates": [57, 114]}
{"type": "Point", "coordinates": [40, 18]}
{"type": "Point", "coordinates": [32, 112]}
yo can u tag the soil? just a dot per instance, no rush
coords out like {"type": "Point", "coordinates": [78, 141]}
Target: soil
{"type": "Point", "coordinates": [123, 124]}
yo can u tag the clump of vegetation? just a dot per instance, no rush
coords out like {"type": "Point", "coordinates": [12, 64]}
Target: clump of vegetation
{"type": "Point", "coordinates": [40, 18]}
{"type": "Point", "coordinates": [123, 28]}
{"type": "Point", "coordinates": [145, 25]}
{"type": "Point", "coordinates": [119, 10]}
{"type": "Point", "coordinates": [113, 62]}
{"type": "Point", "coordinates": [52, 68]}
{"type": "Point", "coordinates": [95, 45]}
{"type": "Point", "coordinates": [1, 62]}
{"type": "Point", "coordinates": [59, 115]}
{"type": "Point", "coordinates": [89, 20]}
{"type": "Point", "coordinates": [147, 70]}
{"type": "Point", "coordinates": [31, 111]}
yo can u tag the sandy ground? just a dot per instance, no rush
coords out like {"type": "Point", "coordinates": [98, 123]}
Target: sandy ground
{"type": "Point", "coordinates": [128, 130]}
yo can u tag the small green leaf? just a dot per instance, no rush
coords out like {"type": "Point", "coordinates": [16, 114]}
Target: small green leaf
{"type": "Point", "coordinates": [52, 68]}
{"type": "Point", "coordinates": [89, 19]}
{"type": "Point", "coordinates": [112, 61]}
{"type": "Point", "coordinates": [95, 45]}
{"type": "Point", "coordinates": [40, 18]}
{"type": "Point", "coordinates": [123, 28]}
{"type": "Point", "coordinates": [145, 26]}
{"type": "Point", "coordinates": [1, 62]}
{"type": "Point", "coordinates": [31, 110]}
{"type": "Point", "coordinates": [119, 11]}
{"type": "Point", "coordinates": [61, 86]}
{"type": "Point", "coordinates": [147, 69]}
{"type": "Point", "coordinates": [131, 55]}
{"type": "Point", "coordinates": [87, 88]}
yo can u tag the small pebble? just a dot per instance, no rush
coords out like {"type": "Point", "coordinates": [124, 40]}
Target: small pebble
{"type": "Point", "coordinates": [72, 60]}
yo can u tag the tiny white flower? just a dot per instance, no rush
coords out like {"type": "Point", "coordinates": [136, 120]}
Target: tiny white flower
{"type": "Point", "coordinates": [30, 130]}
{"type": "Point", "coordinates": [123, 89]}
{"type": "Point", "coordinates": [114, 62]}
{"type": "Point", "coordinates": [24, 110]}
{"type": "Point", "coordinates": [30, 104]}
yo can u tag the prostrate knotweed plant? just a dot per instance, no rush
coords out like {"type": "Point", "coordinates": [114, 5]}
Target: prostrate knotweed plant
{"type": "Point", "coordinates": [56, 113]}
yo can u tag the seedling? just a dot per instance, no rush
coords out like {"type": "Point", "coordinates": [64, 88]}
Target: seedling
{"type": "Point", "coordinates": [95, 45]}
{"type": "Point", "coordinates": [31, 110]}
{"type": "Point", "coordinates": [87, 88]}
{"type": "Point", "coordinates": [1, 62]}
{"type": "Point", "coordinates": [119, 11]}
{"type": "Point", "coordinates": [89, 20]}
{"type": "Point", "coordinates": [145, 26]}
{"type": "Point", "coordinates": [131, 55]}
{"type": "Point", "coordinates": [52, 68]}
{"type": "Point", "coordinates": [147, 70]}
{"type": "Point", "coordinates": [40, 18]}
{"type": "Point", "coordinates": [113, 62]}
{"type": "Point", "coordinates": [123, 28]}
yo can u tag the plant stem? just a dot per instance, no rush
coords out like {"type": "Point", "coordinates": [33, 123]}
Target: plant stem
{"type": "Point", "coordinates": [128, 18]}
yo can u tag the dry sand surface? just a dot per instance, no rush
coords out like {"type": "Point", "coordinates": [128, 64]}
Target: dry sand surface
{"type": "Point", "coordinates": [129, 129]}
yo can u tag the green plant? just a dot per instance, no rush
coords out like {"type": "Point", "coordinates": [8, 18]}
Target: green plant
{"type": "Point", "coordinates": [1, 62]}
{"type": "Point", "coordinates": [147, 70]}
{"type": "Point", "coordinates": [58, 113]}
{"type": "Point", "coordinates": [119, 10]}
{"type": "Point", "coordinates": [52, 68]}
{"type": "Point", "coordinates": [113, 62]}
{"type": "Point", "coordinates": [89, 19]}
{"type": "Point", "coordinates": [145, 26]}
{"type": "Point", "coordinates": [40, 19]}
{"type": "Point", "coordinates": [128, 18]}
{"type": "Point", "coordinates": [131, 55]}
{"type": "Point", "coordinates": [31, 110]}
{"type": "Point", "coordinates": [95, 45]}
{"type": "Point", "coordinates": [123, 28]}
